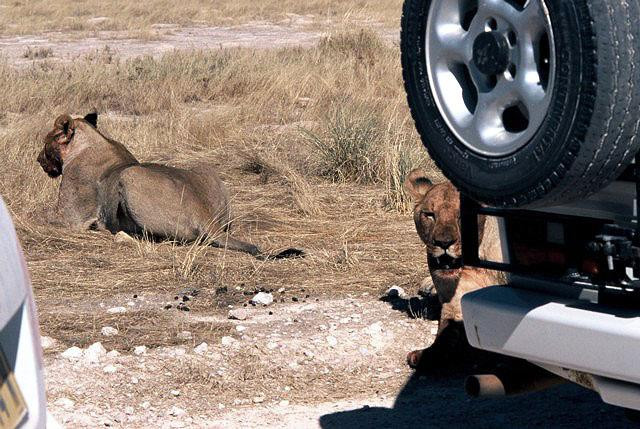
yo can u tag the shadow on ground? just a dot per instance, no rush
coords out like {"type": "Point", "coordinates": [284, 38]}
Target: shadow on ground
{"type": "Point", "coordinates": [439, 402]}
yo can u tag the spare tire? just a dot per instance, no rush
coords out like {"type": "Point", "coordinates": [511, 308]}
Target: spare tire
{"type": "Point", "coordinates": [525, 102]}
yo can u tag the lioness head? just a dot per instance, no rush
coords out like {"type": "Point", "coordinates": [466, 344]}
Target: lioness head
{"type": "Point", "coordinates": [437, 218]}
{"type": "Point", "coordinates": [57, 142]}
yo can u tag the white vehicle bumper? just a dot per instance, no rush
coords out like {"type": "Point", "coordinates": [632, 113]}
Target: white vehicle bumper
{"type": "Point", "coordinates": [591, 344]}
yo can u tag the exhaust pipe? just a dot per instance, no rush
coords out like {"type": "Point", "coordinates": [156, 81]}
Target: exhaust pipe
{"type": "Point", "coordinates": [511, 380]}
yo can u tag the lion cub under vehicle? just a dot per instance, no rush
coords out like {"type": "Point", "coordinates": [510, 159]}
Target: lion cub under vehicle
{"type": "Point", "coordinates": [104, 187]}
{"type": "Point", "coordinates": [437, 219]}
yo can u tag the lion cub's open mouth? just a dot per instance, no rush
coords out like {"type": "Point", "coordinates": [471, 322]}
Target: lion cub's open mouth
{"type": "Point", "coordinates": [445, 263]}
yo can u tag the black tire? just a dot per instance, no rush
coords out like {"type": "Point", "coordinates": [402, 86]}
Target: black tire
{"type": "Point", "coordinates": [590, 133]}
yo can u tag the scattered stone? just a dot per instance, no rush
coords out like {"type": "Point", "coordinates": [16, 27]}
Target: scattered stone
{"type": "Point", "coordinates": [131, 304]}
{"type": "Point", "coordinates": [332, 341]}
{"type": "Point", "coordinates": [134, 380]}
{"type": "Point", "coordinates": [238, 314]}
{"type": "Point", "coordinates": [272, 346]}
{"type": "Point", "coordinates": [201, 349]}
{"type": "Point", "coordinates": [168, 306]}
{"type": "Point", "coordinates": [228, 341]}
{"type": "Point", "coordinates": [294, 299]}
{"type": "Point", "coordinates": [129, 411]}
{"type": "Point", "coordinates": [145, 405]}
{"type": "Point", "coordinates": [109, 331]}
{"type": "Point", "coordinates": [182, 306]}
{"type": "Point", "coordinates": [175, 392]}
{"type": "Point", "coordinates": [395, 292]}
{"type": "Point", "coordinates": [258, 400]}
{"type": "Point", "coordinates": [221, 406]}
{"type": "Point", "coordinates": [117, 310]}
{"type": "Point", "coordinates": [176, 411]}
{"type": "Point", "coordinates": [72, 353]}
{"type": "Point", "coordinates": [221, 290]}
{"type": "Point", "coordinates": [309, 354]}
{"type": "Point", "coordinates": [94, 353]}
{"type": "Point", "coordinates": [241, 328]}
{"type": "Point", "coordinates": [287, 389]}
{"type": "Point", "coordinates": [284, 403]}
{"type": "Point", "coordinates": [113, 354]}
{"type": "Point", "coordinates": [375, 329]}
{"type": "Point", "coordinates": [123, 237]}
{"type": "Point", "coordinates": [140, 350]}
{"type": "Point", "coordinates": [184, 335]}
{"type": "Point", "coordinates": [109, 369]}
{"type": "Point", "coordinates": [64, 403]}
{"type": "Point", "coordinates": [281, 290]}
{"type": "Point", "coordinates": [262, 298]}
{"type": "Point", "coordinates": [47, 343]}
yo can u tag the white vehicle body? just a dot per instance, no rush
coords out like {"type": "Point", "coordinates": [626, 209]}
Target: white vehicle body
{"type": "Point", "coordinates": [19, 334]}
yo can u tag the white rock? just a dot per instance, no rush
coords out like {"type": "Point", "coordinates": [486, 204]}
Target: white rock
{"type": "Point", "coordinates": [286, 389]}
{"type": "Point", "coordinates": [145, 405]}
{"type": "Point", "coordinates": [94, 353]}
{"type": "Point", "coordinates": [72, 353]}
{"type": "Point", "coordinates": [134, 380]}
{"type": "Point", "coordinates": [176, 411]}
{"type": "Point", "coordinates": [221, 406]}
{"type": "Point", "coordinates": [258, 400]}
{"type": "Point", "coordinates": [116, 310]}
{"type": "Point", "coordinates": [175, 392]}
{"type": "Point", "coordinates": [109, 369]}
{"type": "Point", "coordinates": [129, 411]}
{"type": "Point", "coordinates": [332, 341]}
{"type": "Point", "coordinates": [177, 425]}
{"type": "Point", "coordinates": [201, 349]}
{"type": "Point", "coordinates": [375, 329]}
{"type": "Point", "coordinates": [262, 298]}
{"type": "Point", "coordinates": [113, 354]}
{"type": "Point", "coordinates": [396, 292]}
{"type": "Point", "coordinates": [109, 331]}
{"type": "Point", "coordinates": [64, 403]}
{"type": "Point", "coordinates": [131, 304]}
{"type": "Point", "coordinates": [281, 290]}
{"type": "Point", "coordinates": [309, 354]}
{"type": "Point", "coordinates": [47, 342]}
{"type": "Point", "coordinates": [184, 335]}
{"type": "Point", "coordinates": [238, 314]}
{"type": "Point", "coordinates": [228, 341]}
{"type": "Point", "coordinates": [241, 328]}
{"type": "Point", "coordinates": [284, 403]}
{"type": "Point", "coordinates": [140, 350]}
{"type": "Point", "coordinates": [272, 346]}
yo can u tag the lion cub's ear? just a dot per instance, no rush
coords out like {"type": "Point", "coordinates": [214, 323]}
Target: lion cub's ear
{"type": "Point", "coordinates": [92, 118]}
{"type": "Point", "coordinates": [65, 124]}
{"type": "Point", "coordinates": [417, 184]}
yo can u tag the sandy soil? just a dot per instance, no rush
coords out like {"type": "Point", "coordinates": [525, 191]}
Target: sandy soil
{"type": "Point", "coordinates": [68, 47]}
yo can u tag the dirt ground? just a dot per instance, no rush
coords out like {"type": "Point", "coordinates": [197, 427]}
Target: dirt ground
{"type": "Point", "coordinates": [327, 353]}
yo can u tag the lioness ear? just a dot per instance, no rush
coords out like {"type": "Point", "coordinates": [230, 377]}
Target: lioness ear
{"type": "Point", "coordinates": [417, 184]}
{"type": "Point", "coordinates": [64, 123]}
{"type": "Point", "coordinates": [92, 118]}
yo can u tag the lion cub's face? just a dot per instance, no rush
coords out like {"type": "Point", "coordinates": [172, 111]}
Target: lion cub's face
{"type": "Point", "coordinates": [437, 218]}
{"type": "Point", "coordinates": [57, 142]}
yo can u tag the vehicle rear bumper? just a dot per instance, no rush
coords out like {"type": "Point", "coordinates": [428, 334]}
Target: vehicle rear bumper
{"type": "Point", "coordinates": [554, 331]}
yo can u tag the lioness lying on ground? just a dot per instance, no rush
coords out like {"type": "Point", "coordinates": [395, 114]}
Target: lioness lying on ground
{"type": "Point", "coordinates": [437, 219]}
{"type": "Point", "coordinates": [104, 187]}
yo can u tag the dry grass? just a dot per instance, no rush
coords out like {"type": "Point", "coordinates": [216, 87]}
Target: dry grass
{"type": "Point", "coordinates": [251, 113]}
{"type": "Point", "coordinates": [35, 16]}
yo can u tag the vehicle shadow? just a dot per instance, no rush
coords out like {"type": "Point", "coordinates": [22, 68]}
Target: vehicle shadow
{"type": "Point", "coordinates": [440, 402]}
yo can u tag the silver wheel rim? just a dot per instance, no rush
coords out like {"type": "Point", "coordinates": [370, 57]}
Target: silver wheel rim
{"type": "Point", "coordinates": [493, 112]}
